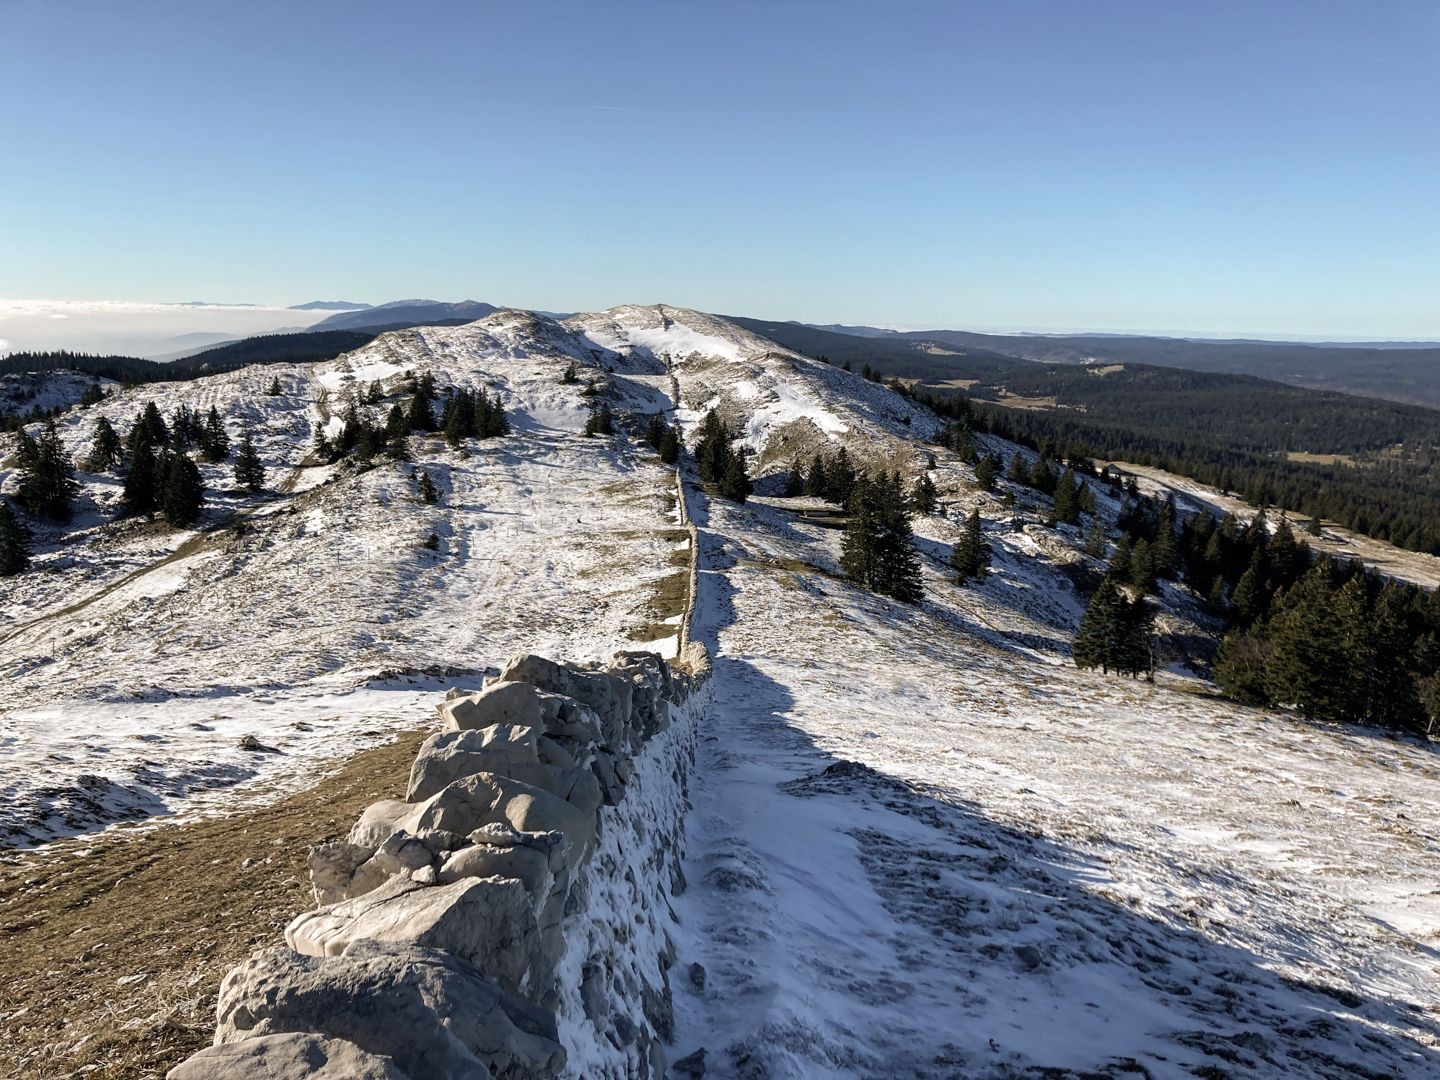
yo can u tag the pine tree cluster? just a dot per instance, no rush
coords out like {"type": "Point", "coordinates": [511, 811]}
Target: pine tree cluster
{"type": "Point", "coordinates": [831, 478]}
{"type": "Point", "coordinates": [471, 414]}
{"type": "Point", "coordinates": [1114, 633]}
{"type": "Point", "coordinates": [47, 475]}
{"type": "Point", "coordinates": [878, 550]}
{"type": "Point", "coordinates": [663, 438]}
{"type": "Point", "coordinates": [720, 462]}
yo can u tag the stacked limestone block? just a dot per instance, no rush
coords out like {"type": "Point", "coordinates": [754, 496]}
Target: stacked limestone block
{"type": "Point", "coordinates": [440, 949]}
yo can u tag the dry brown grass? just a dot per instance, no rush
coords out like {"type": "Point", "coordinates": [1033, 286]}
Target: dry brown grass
{"type": "Point", "coordinates": [113, 948]}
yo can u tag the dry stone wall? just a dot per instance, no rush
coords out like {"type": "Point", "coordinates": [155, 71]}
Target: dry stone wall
{"type": "Point", "coordinates": [510, 916]}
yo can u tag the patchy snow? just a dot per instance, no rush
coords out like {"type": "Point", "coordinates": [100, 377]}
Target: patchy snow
{"type": "Point", "coordinates": [921, 847]}
{"type": "Point", "coordinates": [547, 542]}
{"type": "Point", "coordinates": [922, 843]}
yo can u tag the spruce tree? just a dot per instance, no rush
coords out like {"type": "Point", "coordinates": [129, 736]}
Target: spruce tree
{"type": "Point", "coordinates": [735, 483]}
{"type": "Point", "coordinates": [214, 442]}
{"type": "Point", "coordinates": [47, 482]}
{"type": "Point", "coordinates": [1307, 666]}
{"type": "Point", "coordinates": [923, 496]}
{"type": "Point", "coordinates": [1096, 543]}
{"type": "Point", "coordinates": [140, 491]}
{"type": "Point", "coordinates": [986, 472]}
{"type": "Point", "coordinates": [181, 493]}
{"type": "Point", "coordinates": [816, 482]}
{"type": "Point", "coordinates": [971, 555]}
{"type": "Point", "coordinates": [1019, 471]}
{"type": "Point", "coordinates": [1067, 499]}
{"type": "Point", "coordinates": [429, 493]}
{"type": "Point", "coordinates": [655, 431]}
{"type": "Point", "coordinates": [1240, 666]}
{"type": "Point", "coordinates": [154, 425]}
{"type": "Point", "coordinates": [877, 551]}
{"type": "Point", "coordinates": [601, 422]}
{"type": "Point", "coordinates": [275, 390]}
{"type": "Point", "coordinates": [106, 450]}
{"type": "Point", "coordinates": [14, 541]}
{"type": "Point", "coordinates": [840, 478]}
{"type": "Point", "coordinates": [249, 472]}
{"type": "Point", "coordinates": [670, 445]}
{"type": "Point", "coordinates": [1101, 627]}
{"type": "Point", "coordinates": [794, 482]}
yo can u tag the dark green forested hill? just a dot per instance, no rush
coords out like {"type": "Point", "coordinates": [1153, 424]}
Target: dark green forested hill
{"type": "Point", "coordinates": [1237, 432]}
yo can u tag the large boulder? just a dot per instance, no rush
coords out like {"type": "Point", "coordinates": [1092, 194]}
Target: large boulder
{"type": "Point", "coordinates": [378, 821]}
{"type": "Point", "coordinates": [486, 798]}
{"type": "Point", "coordinates": [510, 702]}
{"type": "Point", "coordinates": [332, 868]}
{"type": "Point", "coordinates": [488, 922]}
{"type": "Point", "coordinates": [286, 1057]}
{"type": "Point", "coordinates": [607, 696]}
{"type": "Point", "coordinates": [447, 756]}
{"type": "Point", "coordinates": [432, 1013]}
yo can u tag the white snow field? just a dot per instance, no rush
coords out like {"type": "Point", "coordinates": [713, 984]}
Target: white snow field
{"type": "Point", "coordinates": [922, 844]}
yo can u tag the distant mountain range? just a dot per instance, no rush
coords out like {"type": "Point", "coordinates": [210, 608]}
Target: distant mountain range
{"type": "Point", "coordinates": [330, 305]}
{"type": "Point", "coordinates": [415, 312]}
{"type": "Point", "coordinates": [1396, 371]}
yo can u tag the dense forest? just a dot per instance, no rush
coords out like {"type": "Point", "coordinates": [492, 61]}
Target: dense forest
{"type": "Point", "coordinates": [1234, 432]}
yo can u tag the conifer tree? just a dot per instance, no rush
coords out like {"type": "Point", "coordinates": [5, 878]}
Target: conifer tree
{"type": "Point", "coordinates": [1142, 567]}
{"type": "Point", "coordinates": [986, 472]}
{"type": "Point", "coordinates": [214, 442]}
{"type": "Point", "coordinates": [1240, 666]}
{"type": "Point", "coordinates": [601, 422]}
{"type": "Point", "coordinates": [1100, 629]}
{"type": "Point", "coordinates": [140, 491]}
{"type": "Point", "coordinates": [840, 478]}
{"type": "Point", "coordinates": [735, 483]}
{"type": "Point", "coordinates": [154, 425]}
{"type": "Point", "coordinates": [181, 493]}
{"type": "Point", "coordinates": [1247, 599]}
{"type": "Point", "coordinates": [275, 390]}
{"type": "Point", "coordinates": [1096, 543]}
{"type": "Point", "coordinates": [971, 555]}
{"type": "Point", "coordinates": [572, 373]}
{"type": "Point", "coordinates": [1067, 499]}
{"type": "Point", "coordinates": [47, 475]}
{"type": "Point", "coordinates": [422, 404]}
{"type": "Point", "coordinates": [1019, 471]}
{"type": "Point", "coordinates": [654, 431]}
{"type": "Point", "coordinates": [878, 551]}
{"type": "Point", "coordinates": [249, 471]}
{"type": "Point", "coordinates": [1307, 661]}
{"type": "Point", "coordinates": [816, 482]}
{"type": "Point", "coordinates": [794, 482]}
{"type": "Point", "coordinates": [429, 493]}
{"type": "Point", "coordinates": [397, 424]}
{"type": "Point", "coordinates": [14, 541]}
{"type": "Point", "coordinates": [923, 496]}
{"type": "Point", "coordinates": [670, 445]}
{"type": "Point", "coordinates": [106, 450]}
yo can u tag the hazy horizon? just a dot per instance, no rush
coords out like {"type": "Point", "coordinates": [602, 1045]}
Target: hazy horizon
{"type": "Point", "coordinates": [1107, 165]}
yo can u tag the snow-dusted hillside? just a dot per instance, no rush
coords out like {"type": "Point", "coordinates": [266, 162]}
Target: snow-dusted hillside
{"type": "Point", "coordinates": [922, 843]}
{"type": "Point", "coordinates": [925, 845]}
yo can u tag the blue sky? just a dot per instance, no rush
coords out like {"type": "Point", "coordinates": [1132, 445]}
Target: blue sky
{"type": "Point", "coordinates": [1265, 166]}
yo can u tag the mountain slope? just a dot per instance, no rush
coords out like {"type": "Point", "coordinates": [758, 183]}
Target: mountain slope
{"type": "Point", "coordinates": [405, 311]}
{"type": "Point", "coordinates": [923, 843]}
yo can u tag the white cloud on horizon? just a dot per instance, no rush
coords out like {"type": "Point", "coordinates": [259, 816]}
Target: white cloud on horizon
{"type": "Point", "coordinates": [134, 328]}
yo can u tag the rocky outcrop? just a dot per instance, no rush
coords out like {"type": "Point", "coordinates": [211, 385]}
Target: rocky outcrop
{"type": "Point", "coordinates": [509, 916]}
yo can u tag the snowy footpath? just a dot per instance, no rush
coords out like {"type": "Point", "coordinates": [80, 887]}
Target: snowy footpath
{"type": "Point", "coordinates": [917, 853]}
